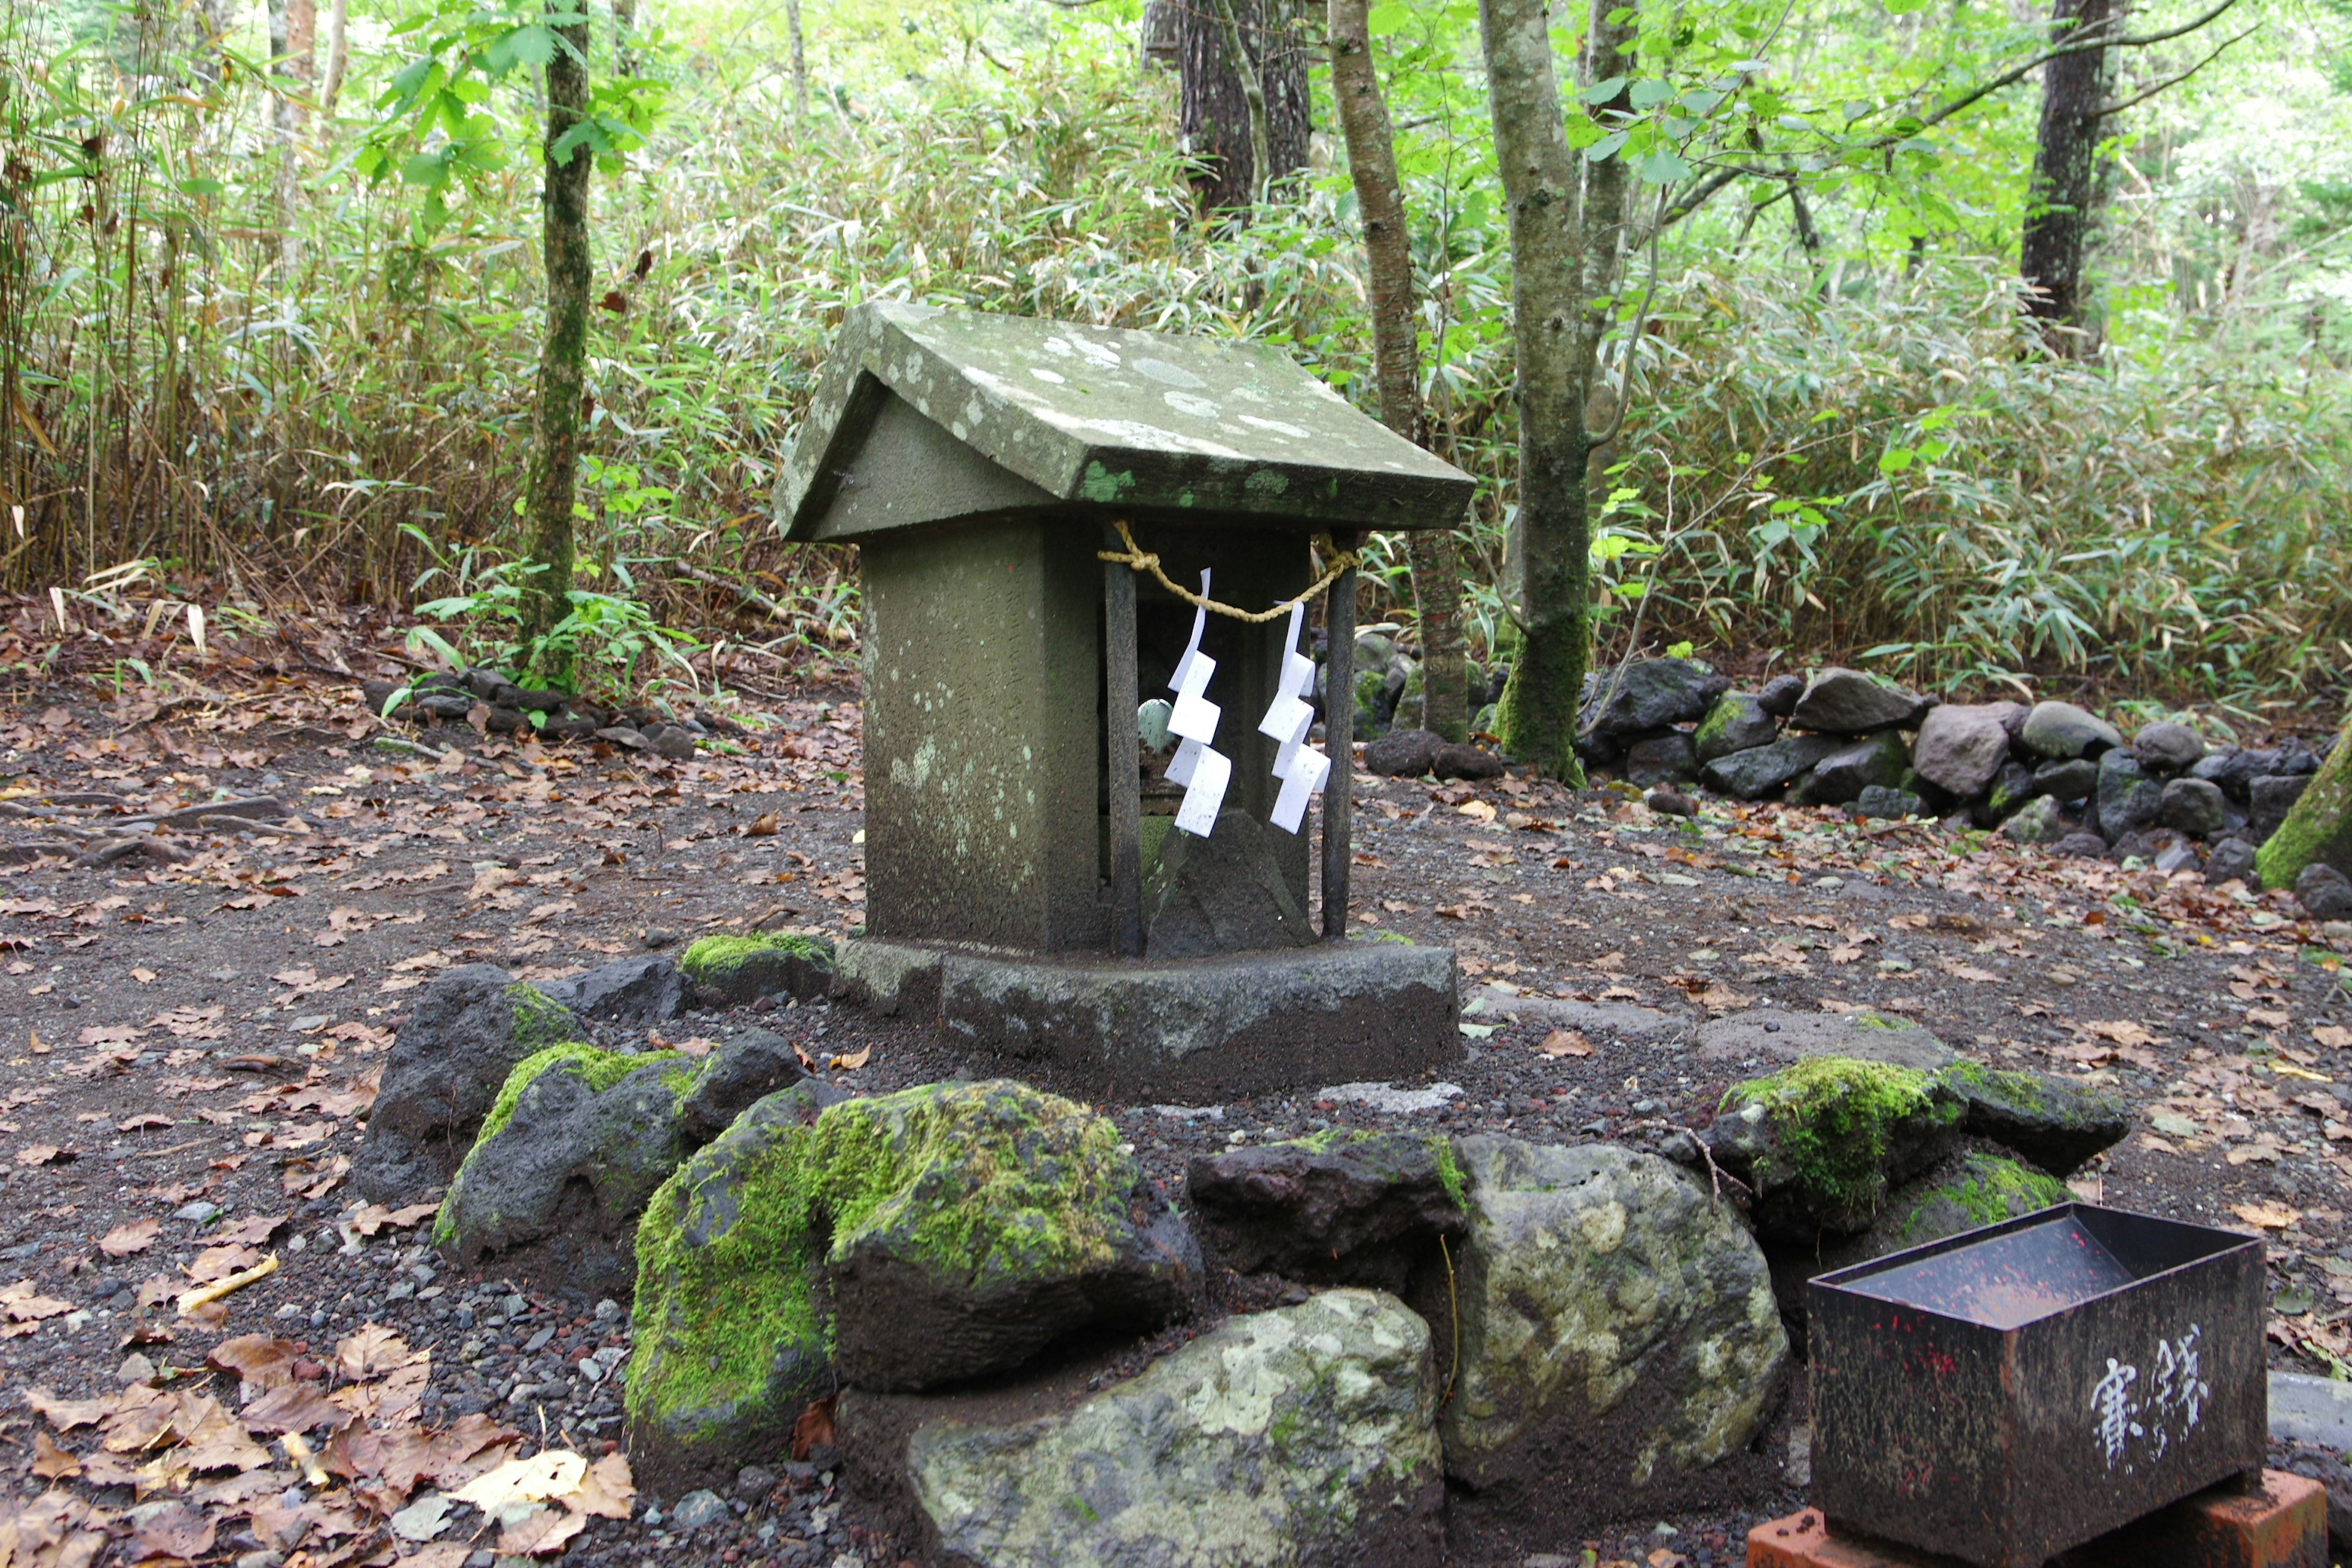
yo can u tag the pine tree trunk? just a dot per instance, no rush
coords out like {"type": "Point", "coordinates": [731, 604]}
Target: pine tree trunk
{"type": "Point", "coordinates": [2061, 201]}
{"type": "Point", "coordinates": [1563, 261]}
{"type": "Point", "coordinates": [1214, 115]}
{"type": "Point", "coordinates": [563, 362]}
{"type": "Point", "coordinates": [1396, 352]}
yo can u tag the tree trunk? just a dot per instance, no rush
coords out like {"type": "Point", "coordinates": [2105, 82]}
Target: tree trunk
{"type": "Point", "coordinates": [1161, 42]}
{"type": "Point", "coordinates": [293, 24]}
{"type": "Point", "coordinates": [624, 34]}
{"type": "Point", "coordinates": [1214, 115]}
{"type": "Point", "coordinates": [1564, 241]}
{"type": "Point", "coordinates": [563, 361]}
{"type": "Point", "coordinates": [338, 54]}
{"type": "Point", "coordinates": [1261, 143]}
{"type": "Point", "coordinates": [2060, 201]}
{"type": "Point", "coordinates": [800, 60]}
{"type": "Point", "coordinates": [1396, 353]}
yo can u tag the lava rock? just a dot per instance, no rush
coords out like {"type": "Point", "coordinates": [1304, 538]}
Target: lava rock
{"type": "Point", "coordinates": [730, 1347]}
{"type": "Point", "coordinates": [1303, 1434]}
{"type": "Point", "coordinates": [1781, 694]}
{"type": "Point", "coordinates": [2176, 856]}
{"type": "Point", "coordinates": [1840, 778]}
{"type": "Point", "coordinates": [2194, 806]}
{"type": "Point", "coordinates": [1961, 746]}
{"type": "Point", "coordinates": [577, 1143]}
{"type": "Point", "coordinates": [1666, 759]}
{"type": "Point", "coordinates": [1822, 1141]}
{"type": "Point", "coordinates": [1977, 1183]}
{"type": "Point", "coordinates": [1651, 694]}
{"type": "Point", "coordinates": [2319, 828]}
{"type": "Point", "coordinates": [2013, 788]}
{"type": "Point", "coordinates": [1454, 760]}
{"type": "Point", "coordinates": [1839, 701]}
{"type": "Point", "coordinates": [1670, 803]}
{"type": "Point", "coordinates": [2038, 821]}
{"type": "Point", "coordinates": [1886, 804]}
{"type": "Point", "coordinates": [2060, 730]}
{"type": "Point", "coordinates": [1343, 1208]}
{"type": "Point", "coordinates": [734, 970]}
{"type": "Point", "coordinates": [2232, 860]}
{"type": "Point", "coordinates": [2074, 778]}
{"type": "Point", "coordinates": [977, 1224]}
{"type": "Point", "coordinates": [2129, 799]}
{"type": "Point", "coordinates": [2058, 1123]}
{"type": "Point", "coordinates": [671, 741]}
{"type": "Point", "coordinates": [1403, 753]}
{"type": "Point", "coordinates": [452, 1055]}
{"type": "Point", "coordinates": [2325, 892]}
{"type": "Point", "coordinates": [1617, 1333]}
{"type": "Point", "coordinates": [1758, 771]}
{"type": "Point", "coordinates": [2168, 748]}
{"type": "Point", "coordinates": [1223, 893]}
{"type": "Point", "coordinates": [1735, 723]}
{"type": "Point", "coordinates": [2081, 844]}
{"type": "Point", "coordinates": [635, 992]}
{"type": "Point", "coordinates": [2270, 798]}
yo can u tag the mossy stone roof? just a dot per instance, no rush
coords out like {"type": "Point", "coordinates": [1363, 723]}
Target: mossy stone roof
{"type": "Point", "coordinates": [1095, 417]}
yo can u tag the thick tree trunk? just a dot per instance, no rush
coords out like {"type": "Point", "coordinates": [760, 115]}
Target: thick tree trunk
{"type": "Point", "coordinates": [800, 60]}
{"type": "Point", "coordinates": [1214, 115]}
{"type": "Point", "coordinates": [1564, 241]}
{"type": "Point", "coordinates": [563, 361]}
{"type": "Point", "coordinates": [1261, 143]}
{"type": "Point", "coordinates": [2060, 201]}
{"type": "Point", "coordinates": [1161, 43]}
{"type": "Point", "coordinates": [625, 34]}
{"type": "Point", "coordinates": [1396, 352]}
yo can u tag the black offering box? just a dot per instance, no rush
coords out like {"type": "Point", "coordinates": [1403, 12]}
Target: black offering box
{"type": "Point", "coordinates": [2003, 1395]}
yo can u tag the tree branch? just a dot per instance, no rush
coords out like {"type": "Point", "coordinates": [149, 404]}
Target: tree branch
{"type": "Point", "coordinates": [2140, 98]}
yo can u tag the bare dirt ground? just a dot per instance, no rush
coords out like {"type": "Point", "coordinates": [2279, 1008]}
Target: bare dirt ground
{"type": "Point", "coordinates": [190, 1032]}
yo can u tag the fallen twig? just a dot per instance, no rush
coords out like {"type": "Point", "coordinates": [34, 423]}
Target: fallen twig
{"type": "Point", "coordinates": [206, 1295]}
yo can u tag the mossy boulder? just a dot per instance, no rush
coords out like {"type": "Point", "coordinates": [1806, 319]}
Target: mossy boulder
{"type": "Point", "coordinates": [1736, 722]}
{"type": "Point", "coordinates": [2318, 828]}
{"type": "Point", "coordinates": [1618, 1336]}
{"type": "Point", "coordinates": [451, 1056]}
{"type": "Point", "coordinates": [576, 1144]}
{"type": "Point", "coordinates": [1341, 1206]}
{"type": "Point", "coordinates": [918, 1238]}
{"type": "Point", "coordinates": [973, 1225]}
{"type": "Point", "coordinates": [731, 1344]}
{"type": "Point", "coordinates": [1977, 1183]}
{"type": "Point", "coordinates": [1280, 1439]}
{"type": "Point", "coordinates": [2056, 1123]}
{"type": "Point", "coordinates": [1822, 1141]}
{"type": "Point", "coordinates": [729, 971]}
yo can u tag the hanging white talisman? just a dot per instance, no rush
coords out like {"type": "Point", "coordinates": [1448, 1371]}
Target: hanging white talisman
{"type": "Point", "coordinates": [1203, 771]}
{"type": "Point", "coordinates": [1302, 769]}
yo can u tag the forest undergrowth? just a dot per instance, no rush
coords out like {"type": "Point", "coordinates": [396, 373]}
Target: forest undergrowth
{"type": "Point", "coordinates": [220, 396]}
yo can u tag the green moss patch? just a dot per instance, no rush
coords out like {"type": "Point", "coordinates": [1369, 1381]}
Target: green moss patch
{"type": "Point", "coordinates": [538, 1020]}
{"type": "Point", "coordinates": [601, 1068]}
{"type": "Point", "coordinates": [1834, 1120]}
{"type": "Point", "coordinates": [980, 1180]}
{"type": "Point", "coordinates": [2318, 828]}
{"type": "Point", "coordinates": [1985, 1189]}
{"type": "Point", "coordinates": [710, 957]}
{"type": "Point", "coordinates": [725, 1307]}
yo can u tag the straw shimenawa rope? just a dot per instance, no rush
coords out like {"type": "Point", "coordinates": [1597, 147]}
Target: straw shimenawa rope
{"type": "Point", "coordinates": [1142, 560]}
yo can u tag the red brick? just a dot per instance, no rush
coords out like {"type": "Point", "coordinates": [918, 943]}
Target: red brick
{"type": "Point", "coordinates": [2282, 1525]}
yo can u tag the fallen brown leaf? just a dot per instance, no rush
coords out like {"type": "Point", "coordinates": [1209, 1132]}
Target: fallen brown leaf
{"type": "Point", "coordinates": [540, 1533]}
{"type": "Point", "coordinates": [1566, 1043]}
{"type": "Point", "coordinates": [607, 1492]}
{"type": "Point", "coordinates": [43, 1154]}
{"type": "Point", "coordinates": [52, 1463]}
{"type": "Point", "coordinates": [2266, 1216]}
{"type": "Point", "coordinates": [133, 1235]}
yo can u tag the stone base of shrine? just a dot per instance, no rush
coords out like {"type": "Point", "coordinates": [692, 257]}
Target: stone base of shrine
{"type": "Point", "coordinates": [1198, 1029]}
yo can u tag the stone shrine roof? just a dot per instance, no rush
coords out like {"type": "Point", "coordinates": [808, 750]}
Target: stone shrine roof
{"type": "Point", "coordinates": [1096, 418]}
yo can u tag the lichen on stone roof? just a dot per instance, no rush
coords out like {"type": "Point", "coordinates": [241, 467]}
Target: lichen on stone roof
{"type": "Point", "coordinates": [1112, 418]}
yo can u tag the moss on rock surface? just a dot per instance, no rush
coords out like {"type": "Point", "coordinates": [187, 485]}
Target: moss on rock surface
{"type": "Point", "coordinates": [2318, 828]}
{"type": "Point", "coordinates": [2056, 1122]}
{"type": "Point", "coordinates": [957, 1228]}
{"type": "Point", "coordinates": [599, 1068]}
{"type": "Point", "coordinates": [730, 1345]}
{"type": "Point", "coordinates": [733, 969]}
{"type": "Point", "coordinates": [1980, 1184]}
{"type": "Point", "coordinates": [1823, 1138]}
